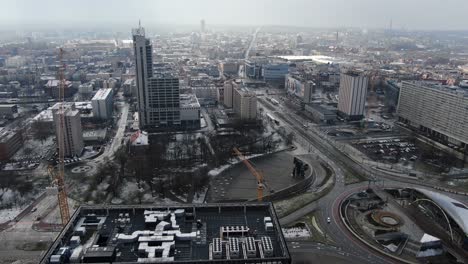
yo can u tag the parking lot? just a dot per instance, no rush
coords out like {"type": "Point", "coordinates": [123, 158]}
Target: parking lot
{"type": "Point", "coordinates": [390, 149]}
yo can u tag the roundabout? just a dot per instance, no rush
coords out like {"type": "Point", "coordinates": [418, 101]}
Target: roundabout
{"type": "Point", "coordinates": [81, 169]}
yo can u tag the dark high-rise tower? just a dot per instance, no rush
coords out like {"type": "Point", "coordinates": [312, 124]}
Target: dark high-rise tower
{"type": "Point", "coordinates": [144, 70]}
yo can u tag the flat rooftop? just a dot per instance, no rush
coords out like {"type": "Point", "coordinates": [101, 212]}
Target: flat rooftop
{"type": "Point", "coordinates": [185, 233]}
{"type": "Point", "coordinates": [441, 87]}
{"type": "Point", "coordinates": [189, 100]}
{"type": "Point", "coordinates": [102, 94]}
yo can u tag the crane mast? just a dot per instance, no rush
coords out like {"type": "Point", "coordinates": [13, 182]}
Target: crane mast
{"type": "Point", "coordinates": [58, 175]}
{"type": "Point", "coordinates": [258, 175]}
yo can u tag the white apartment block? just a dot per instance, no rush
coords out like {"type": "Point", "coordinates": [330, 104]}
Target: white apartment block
{"type": "Point", "coordinates": [70, 128]}
{"type": "Point", "coordinates": [436, 110]}
{"type": "Point", "coordinates": [245, 104]}
{"type": "Point", "coordinates": [352, 95]}
{"type": "Point", "coordinates": [102, 103]}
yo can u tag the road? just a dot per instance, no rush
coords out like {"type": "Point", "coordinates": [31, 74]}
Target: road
{"type": "Point", "coordinates": [329, 204]}
{"type": "Point", "coordinates": [252, 42]}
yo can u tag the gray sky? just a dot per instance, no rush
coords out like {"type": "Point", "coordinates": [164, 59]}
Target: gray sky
{"type": "Point", "coordinates": [410, 14]}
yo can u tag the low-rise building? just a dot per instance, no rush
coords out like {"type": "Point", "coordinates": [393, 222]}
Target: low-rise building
{"type": "Point", "coordinates": [189, 111]}
{"type": "Point", "coordinates": [300, 87]}
{"type": "Point", "coordinates": [10, 142]}
{"type": "Point", "coordinates": [8, 110]}
{"type": "Point", "coordinates": [321, 113]}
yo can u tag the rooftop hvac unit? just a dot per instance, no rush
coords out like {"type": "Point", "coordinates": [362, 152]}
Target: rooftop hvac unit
{"type": "Point", "coordinates": [267, 246]}
{"type": "Point", "coordinates": [251, 247]}
{"type": "Point", "coordinates": [217, 248]}
{"type": "Point", "coordinates": [234, 251]}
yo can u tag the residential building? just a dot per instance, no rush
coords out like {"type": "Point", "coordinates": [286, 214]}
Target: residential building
{"type": "Point", "coordinates": [245, 104]}
{"type": "Point", "coordinates": [352, 95]}
{"type": "Point", "coordinates": [241, 100]}
{"type": "Point", "coordinates": [103, 104]}
{"type": "Point", "coordinates": [70, 129]}
{"type": "Point", "coordinates": [229, 67]}
{"type": "Point", "coordinates": [436, 110]}
{"type": "Point", "coordinates": [86, 88]}
{"type": "Point", "coordinates": [129, 87]}
{"type": "Point", "coordinates": [228, 93]}
{"type": "Point", "coordinates": [10, 142]}
{"type": "Point", "coordinates": [52, 88]}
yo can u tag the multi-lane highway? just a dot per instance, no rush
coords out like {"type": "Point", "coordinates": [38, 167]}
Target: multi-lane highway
{"type": "Point", "coordinates": [329, 204]}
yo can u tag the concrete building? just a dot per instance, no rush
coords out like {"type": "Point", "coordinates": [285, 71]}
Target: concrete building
{"type": "Point", "coordinates": [129, 87]}
{"type": "Point", "coordinates": [70, 129]}
{"type": "Point", "coordinates": [352, 95]}
{"type": "Point", "coordinates": [189, 111]}
{"type": "Point", "coordinates": [103, 104]}
{"type": "Point", "coordinates": [245, 104]}
{"type": "Point", "coordinates": [275, 71]}
{"type": "Point", "coordinates": [143, 71]}
{"type": "Point", "coordinates": [86, 88]}
{"type": "Point", "coordinates": [206, 95]}
{"type": "Point", "coordinates": [163, 101]}
{"type": "Point", "coordinates": [52, 88]}
{"type": "Point", "coordinates": [228, 93]}
{"type": "Point", "coordinates": [438, 111]}
{"type": "Point", "coordinates": [300, 87]}
{"type": "Point", "coordinates": [10, 142]}
{"type": "Point", "coordinates": [229, 67]}
{"type": "Point", "coordinates": [8, 110]}
{"type": "Point", "coordinates": [321, 113]}
{"type": "Point", "coordinates": [241, 100]}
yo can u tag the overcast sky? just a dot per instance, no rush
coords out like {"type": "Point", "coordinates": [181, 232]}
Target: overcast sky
{"type": "Point", "coordinates": [409, 14]}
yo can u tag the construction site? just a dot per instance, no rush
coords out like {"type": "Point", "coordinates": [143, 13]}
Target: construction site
{"type": "Point", "coordinates": [208, 233]}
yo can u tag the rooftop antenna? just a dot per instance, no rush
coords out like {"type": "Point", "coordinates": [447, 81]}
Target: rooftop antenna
{"type": "Point", "coordinates": [139, 23]}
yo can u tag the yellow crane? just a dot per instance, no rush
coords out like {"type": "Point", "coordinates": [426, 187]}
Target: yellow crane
{"type": "Point", "coordinates": [58, 175]}
{"type": "Point", "coordinates": [258, 175]}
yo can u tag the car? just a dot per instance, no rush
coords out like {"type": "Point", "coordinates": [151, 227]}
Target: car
{"type": "Point", "coordinates": [34, 210]}
{"type": "Point", "coordinates": [328, 220]}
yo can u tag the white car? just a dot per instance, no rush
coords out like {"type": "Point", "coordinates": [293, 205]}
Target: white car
{"type": "Point", "coordinates": [328, 220]}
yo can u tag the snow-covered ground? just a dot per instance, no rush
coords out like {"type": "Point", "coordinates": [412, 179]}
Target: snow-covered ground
{"type": "Point", "coordinates": [296, 232]}
{"type": "Point", "coordinates": [200, 196]}
{"type": "Point", "coordinates": [9, 214]}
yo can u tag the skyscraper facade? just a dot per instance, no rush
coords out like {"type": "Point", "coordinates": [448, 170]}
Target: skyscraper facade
{"type": "Point", "coordinates": [144, 70]}
{"type": "Point", "coordinates": [352, 95]}
{"type": "Point", "coordinates": [163, 101]}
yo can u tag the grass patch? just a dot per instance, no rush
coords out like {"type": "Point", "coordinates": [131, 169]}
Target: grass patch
{"type": "Point", "coordinates": [34, 246]}
{"type": "Point", "coordinates": [318, 234]}
{"type": "Point", "coordinates": [351, 178]}
{"type": "Point", "coordinates": [286, 207]}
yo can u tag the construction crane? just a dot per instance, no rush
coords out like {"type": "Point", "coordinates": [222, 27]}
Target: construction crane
{"type": "Point", "coordinates": [58, 175]}
{"type": "Point", "coordinates": [258, 175]}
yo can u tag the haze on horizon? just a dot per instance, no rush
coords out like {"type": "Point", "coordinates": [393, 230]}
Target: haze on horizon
{"type": "Point", "coordinates": [408, 14]}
